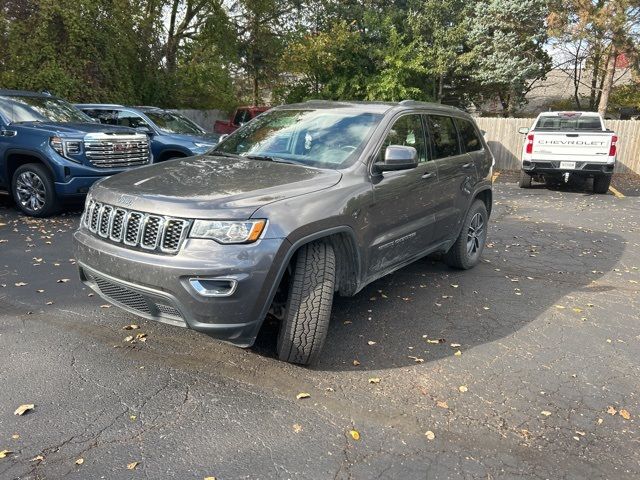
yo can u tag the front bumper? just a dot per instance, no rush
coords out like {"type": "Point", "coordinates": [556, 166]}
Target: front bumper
{"type": "Point", "coordinates": [533, 167]}
{"type": "Point", "coordinates": [158, 287]}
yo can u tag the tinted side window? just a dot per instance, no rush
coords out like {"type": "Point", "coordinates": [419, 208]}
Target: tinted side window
{"type": "Point", "coordinates": [242, 116]}
{"type": "Point", "coordinates": [108, 117]}
{"type": "Point", "coordinates": [470, 140]}
{"type": "Point", "coordinates": [407, 131]}
{"type": "Point", "coordinates": [444, 136]}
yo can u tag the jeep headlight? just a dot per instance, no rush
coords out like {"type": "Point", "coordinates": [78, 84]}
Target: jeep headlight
{"type": "Point", "coordinates": [244, 231]}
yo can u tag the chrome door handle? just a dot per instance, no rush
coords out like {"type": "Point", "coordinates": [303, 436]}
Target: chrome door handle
{"type": "Point", "coordinates": [467, 165]}
{"type": "Point", "coordinates": [428, 175]}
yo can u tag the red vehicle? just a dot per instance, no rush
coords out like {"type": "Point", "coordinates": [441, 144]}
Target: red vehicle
{"type": "Point", "coordinates": [241, 116]}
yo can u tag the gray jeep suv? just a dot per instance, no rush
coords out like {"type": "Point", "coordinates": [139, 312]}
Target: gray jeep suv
{"type": "Point", "coordinates": [303, 202]}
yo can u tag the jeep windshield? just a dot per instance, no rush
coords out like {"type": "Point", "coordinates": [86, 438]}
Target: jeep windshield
{"type": "Point", "coordinates": [27, 108]}
{"type": "Point", "coordinates": [327, 138]}
{"type": "Point", "coordinates": [170, 122]}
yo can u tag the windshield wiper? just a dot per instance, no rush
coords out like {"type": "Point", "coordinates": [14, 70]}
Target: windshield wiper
{"type": "Point", "coordinates": [268, 158]}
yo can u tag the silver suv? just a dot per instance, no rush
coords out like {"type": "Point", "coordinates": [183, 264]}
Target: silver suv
{"type": "Point", "coordinates": [303, 202]}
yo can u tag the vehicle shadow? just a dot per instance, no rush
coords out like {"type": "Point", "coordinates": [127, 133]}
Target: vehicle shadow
{"type": "Point", "coordinates": [417, 313]}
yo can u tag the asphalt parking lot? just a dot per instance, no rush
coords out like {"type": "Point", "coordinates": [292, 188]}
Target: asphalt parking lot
{"type": "Point", "coordinates": [527, 366]}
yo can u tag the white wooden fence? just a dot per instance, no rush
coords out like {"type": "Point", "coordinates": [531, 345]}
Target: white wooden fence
{"type": "Point", "coordinates": [506, 143]}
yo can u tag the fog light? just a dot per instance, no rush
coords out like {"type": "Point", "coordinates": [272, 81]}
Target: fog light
{"type": "Point", "coordinates": [214, 287]}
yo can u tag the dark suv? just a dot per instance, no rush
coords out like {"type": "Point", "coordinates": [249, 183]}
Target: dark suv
{"type": "Point", "coordinates": [305, 201]}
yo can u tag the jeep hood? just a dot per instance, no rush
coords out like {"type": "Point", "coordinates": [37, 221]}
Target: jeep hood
{"type": "Point", "coordinates": [210, 186]}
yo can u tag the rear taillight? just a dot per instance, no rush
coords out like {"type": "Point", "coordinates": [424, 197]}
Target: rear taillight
{"type": "Point", "coordinates": [612, 148]}
{"type": "Point", "coordinates": [529, 146]}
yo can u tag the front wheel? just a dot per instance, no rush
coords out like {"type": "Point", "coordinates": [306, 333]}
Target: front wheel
{"type": "Point", "coordinates": [601, 183]}
{"type": "Point", "coordinates": [466, 251]}
{"type": "Point", "coordinates": [33, 190]}
{"type": "Point", "coordinates": [304, 328]}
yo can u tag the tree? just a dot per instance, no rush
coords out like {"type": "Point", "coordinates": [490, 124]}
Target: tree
{"type": "Point", "coordinates": [508, 55]}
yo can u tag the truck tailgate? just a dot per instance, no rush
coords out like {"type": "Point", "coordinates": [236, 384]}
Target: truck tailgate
{"type": "Point", "coordinates": [585, 146]}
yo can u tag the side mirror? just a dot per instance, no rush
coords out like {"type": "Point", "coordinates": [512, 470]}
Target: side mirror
{"type": "Point", "coordinates": [398, 157]}
{"type": "Point", "coordinates": [523, 130]}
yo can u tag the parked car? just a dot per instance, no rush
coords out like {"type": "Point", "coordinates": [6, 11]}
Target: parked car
{"type": "Point", "coordinates": [305, 201]}
{"type": "Point", "coordinates": [172, 134]}
{"type": "Point", "coordinates": [50, 151]}
{"type": "Point", "coordinates": [561, 145]}
{"type": "Point", "coordinates": [241, 116]}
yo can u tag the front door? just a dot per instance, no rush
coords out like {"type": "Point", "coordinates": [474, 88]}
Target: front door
{"type": "Point", "coordinates": [403, 211]}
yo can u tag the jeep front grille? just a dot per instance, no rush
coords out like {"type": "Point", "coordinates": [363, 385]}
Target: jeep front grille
{"type": "Point", "coordinates": [106, 152]}
{"type": "Point", "coordinates": [135, 229]}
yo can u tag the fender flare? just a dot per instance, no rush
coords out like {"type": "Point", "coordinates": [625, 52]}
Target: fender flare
{"type": "Point", "coordinates": [291, 250]}
{"type": "Point", "coordinates": [31, 153]}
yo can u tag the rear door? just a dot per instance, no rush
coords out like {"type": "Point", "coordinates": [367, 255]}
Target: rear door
{"type": "Point", "coordinates": [456, 175]}
{"type": "Point", "coordinates": [404, 207]}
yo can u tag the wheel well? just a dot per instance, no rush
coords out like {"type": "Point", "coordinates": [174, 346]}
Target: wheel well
{"type": "Point", "coordinates": [171, 154]}
{"type": "Point", "coordinates": [346, 262]}
{"type": "Point", "coordinates": [16, 160]}
{"type": "Point", "coordinates": [487, 197]}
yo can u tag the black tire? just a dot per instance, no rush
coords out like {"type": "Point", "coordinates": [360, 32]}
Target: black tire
{"type": "Point", "coordinates": [465, 253]}
{"type": "Point", "coordinates": [525, 180]}
{"type": "Point", "coordinates": [33, 190]}
{"type": "Point", "coordinates": [308, 311]}
{"type": "Point", "coordinates": [601, 183]}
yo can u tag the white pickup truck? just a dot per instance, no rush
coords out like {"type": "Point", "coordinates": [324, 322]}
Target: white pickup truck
{"type": "Point", "coordinates": [561, 145]}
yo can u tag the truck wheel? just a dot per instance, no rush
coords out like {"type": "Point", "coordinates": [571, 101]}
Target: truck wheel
{"type": "Point", "coordinates": [304, 328]}
{"type": "Point", "coordinates": [601, 183]}
{"type": "Point", "coordinates": [466, 251]}
{"type": "Point", "coordinates": [525, 180]}
{"type": "Point", "coordinates": [33, 190]}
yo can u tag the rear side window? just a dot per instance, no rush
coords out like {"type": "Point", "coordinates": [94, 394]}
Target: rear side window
{"type": "Point", "coordinates": [469, 136]}
{"type": "Point", "coordinates": [444, 136]}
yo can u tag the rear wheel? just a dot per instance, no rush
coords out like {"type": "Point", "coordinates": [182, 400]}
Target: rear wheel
{"type": "Point", "coordinates": [33, 190]}
{"type": "Point", "coordinates": [601, 183]}
{"type": "Point", "coordinates": [466, 251]}
{"type": "Point", "coordinates": [304, 328]}
{"type": "Point", "coordinates": [525, 180]}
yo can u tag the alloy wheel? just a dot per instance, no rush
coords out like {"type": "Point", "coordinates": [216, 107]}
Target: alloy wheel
{"type": "Point", "coordinates": [31, 191]}
{"type": "Point", "coordinates": [475, 234]}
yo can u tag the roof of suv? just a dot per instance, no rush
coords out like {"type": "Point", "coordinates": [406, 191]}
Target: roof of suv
{"type": "Point", "coordinates": [377, 107]}
{"type": "Point", "coordinates": [24, 93]}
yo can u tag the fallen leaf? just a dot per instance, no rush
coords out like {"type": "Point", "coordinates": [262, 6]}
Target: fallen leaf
{"type": "Point", "coordinates": [4, 453]}
{"type": "Point", "coordinates": [458, 353]}
{"type": "Point", "coordinates": [374, 380]}
{"type": "Point", "coordinates": [430, 435]}
{"type": "Point", "coordinates": [80, 461]}
{"type": "Point", "coordinates": [62, 280]}
{"type": "Point", "coordinates": [37, 458]}
{"type": "Point", "coordinates": [356, 363]}
{"type": "Point", "coordinates": [21, 284]}
{"type": "Point", "coordinates": [209, 478]}
{"type": "Point", "coordinates": [546, 413]}
{"type": "Point", "coordinates": [611, 410]}
{"type": "Point", "coordinates": [142, 337]}
{"type": "Point", "coordinates": [132, 465]}
{"type": "Point", "coordinates": [133, 326]}
{"type": "Point", "coordinates": [463, 388]}
{"type": "Point", "coordinates": [371, 342]}
{"type": "Point", "coordinates": [128, 339]}
{"type": "Point", "coordinates": [22, 409]}
{"type": "Point", "coordinates": [442, 404]}
{"type": "Point", "coordinates": [560, 307]}
{"type": "Point", "coordinates": [416, 359]}
{"type": "Point", "coordinates": [297, 428]}
{"type": "Point", "coordinates": [354, 434]}
{"type": "Point", "coordinates": [302, 395]}
{"type": "Point", "coordinates": [105, 306]}
{"type": "Point", "coordinates": [455, 345]}
{"type": "Point", "coordinates": [624, 414]}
